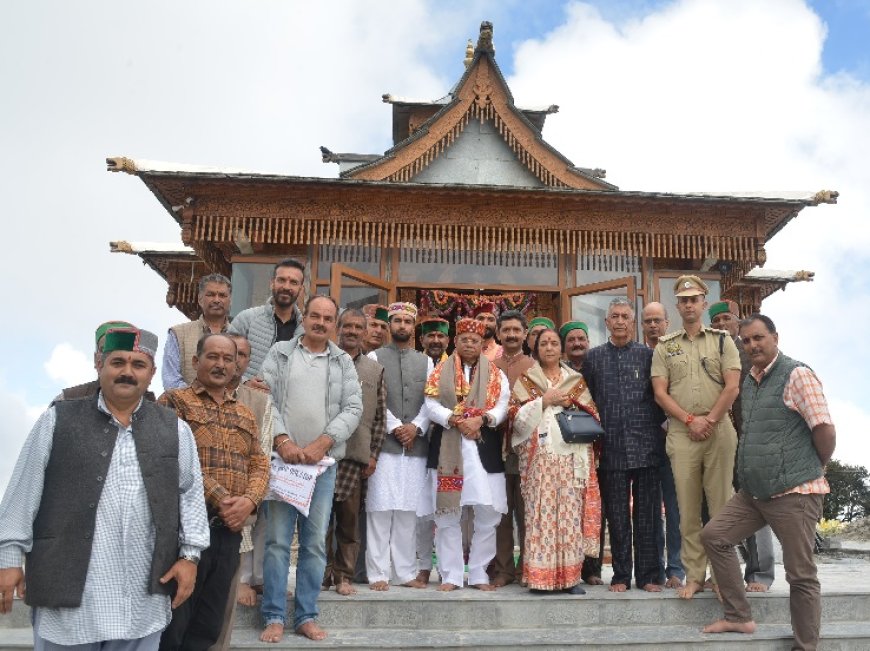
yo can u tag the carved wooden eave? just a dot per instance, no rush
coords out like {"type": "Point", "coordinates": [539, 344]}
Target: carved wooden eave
{"type": "Point", "coordinates": [217, 209]}
{"type": "Point", "coordinates": [178, 265]}
{"type": "Point", "coordinates": [748, 290]}
{"type": "Point", "coordinates": [481, 94]}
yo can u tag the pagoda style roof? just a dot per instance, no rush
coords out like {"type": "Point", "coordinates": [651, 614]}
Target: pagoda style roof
{"type": "Point", "coordinates": [481, 94]}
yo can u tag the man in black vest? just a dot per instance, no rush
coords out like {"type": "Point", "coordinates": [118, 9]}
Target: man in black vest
{"type": "Point", "coordinates": [787, 438]}
{"type": "Point", "coordinates": [106, 503]}
{"type": "Point", "coordinates": [395, 487]}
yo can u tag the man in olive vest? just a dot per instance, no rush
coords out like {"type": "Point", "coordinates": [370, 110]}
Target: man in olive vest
{"type": "Point", "coordinates": [106, 502]}
{"type": "Point", "coordinates": [788, 437]}
{"type": "Point", "coordinates": [757, 550]}
{"type": "Point", "coordinates": [215, 292]}
{"type": "Point", "coordinates": [360, 458]}
{"type": "Point", "coordinates": [396, 485]}
{"type": "Point", "coordinates": [695, 377]}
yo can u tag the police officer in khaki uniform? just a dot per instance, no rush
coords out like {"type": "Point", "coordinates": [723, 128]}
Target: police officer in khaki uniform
{"type": "Point", "coordinates": [695, 377]}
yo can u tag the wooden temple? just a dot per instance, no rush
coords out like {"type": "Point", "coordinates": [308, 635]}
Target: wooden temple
{"type": "Point", "coordinates": [469, 201]}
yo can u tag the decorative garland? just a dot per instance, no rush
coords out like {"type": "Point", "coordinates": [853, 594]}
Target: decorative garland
{"type": "Point", "coordinates": [452, 306]}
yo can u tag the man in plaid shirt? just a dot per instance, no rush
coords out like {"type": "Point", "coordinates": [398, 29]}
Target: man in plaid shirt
{"type": "Point", "coordinates": [235, 478]}
{"type": "Point", "coordinates": [787, 439]}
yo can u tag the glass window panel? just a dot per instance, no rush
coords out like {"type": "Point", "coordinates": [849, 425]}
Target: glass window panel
{"type": "Point", "coordinates": [485, 268]}
{"type": "Point", "coordinates": [667, 298]}
{"type": "Point", "coordinates": [596, 268]}
{"type": "Point", "coordinates": [592, 310]}
{"type": "Point", "coordinates": [357, 295]}
{"type": "Point", "coordinates": [250, 285]}
{"type": "Point", "coordinates": [362, 258]}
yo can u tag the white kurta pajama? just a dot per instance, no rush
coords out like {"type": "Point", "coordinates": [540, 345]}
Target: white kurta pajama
{"type": "Point", "coordinates": [483, 491]}
{"type": "Point", "coordinates": [392, 501]}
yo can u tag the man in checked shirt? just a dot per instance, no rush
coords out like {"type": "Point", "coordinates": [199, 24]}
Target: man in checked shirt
{"type": "Point", "coordinates": [106, 502]}
{"type": "Point", "coordinates": [235, 478]}
{"type": "Point", "coordinates": [787, 438]}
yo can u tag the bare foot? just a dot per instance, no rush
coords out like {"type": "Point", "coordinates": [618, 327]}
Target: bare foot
{"type": "Point", "coordinates": [245, 596]}
{"type": "Point", "coordinates": [618, 587]}
{"type": "Point", "coordinates": [652, 587]}
{"type": "Point", "coordinates": [483, 587]}
{"type": "Point", "coordinates": [724, 626]}
{"type": "Point", "coordinates": [501, 581]}
{"type": "Point", "coordinates": [272, 633]}
{"type": "Point", "coordinates": [312, 631]}
{"type": "Point", "coordinates": [594, 580]}
{"type": "Point", "coordinates": [447, 587]}
{"type": "Point", "coordinates": [415, 584]}
{"type": "Point", "coordinates": [423, 576]}
{"type": "Point", "coordinates": [689, 590]}
{"type": "Point", "coordinates": [345, 589]}
{"type": "Point", "coordinates": [673, 582]}
{"type": "Point", "coordinates": [756, 587]}
{"type": "Point", "coordinates": [379, 586]}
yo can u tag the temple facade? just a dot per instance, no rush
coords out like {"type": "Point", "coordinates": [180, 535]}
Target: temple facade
{"type": "Point", "coordinates": [470, 201]}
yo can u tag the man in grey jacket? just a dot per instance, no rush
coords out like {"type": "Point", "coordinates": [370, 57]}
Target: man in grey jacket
{"type": "Point", "coordinates": [317, 406]}
{"type": "Point", "coordinates": [277, 320]}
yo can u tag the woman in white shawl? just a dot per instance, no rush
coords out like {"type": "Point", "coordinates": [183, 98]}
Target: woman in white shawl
{"type": "Point", "coordinates": [558, 479]}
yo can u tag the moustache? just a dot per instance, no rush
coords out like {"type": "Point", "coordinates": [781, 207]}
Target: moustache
{"type": "Point", "coordinates": [126, 379]}
{"type": "Point", "coordinates": [318, 328]}
{"type": "Point", "coordinates": [218, 371]}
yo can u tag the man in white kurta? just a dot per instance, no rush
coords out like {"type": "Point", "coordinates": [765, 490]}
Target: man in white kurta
{"type": "Point", "coordinates": [395, 487]}
{"type": "Point", "coordinates": [481, 484]}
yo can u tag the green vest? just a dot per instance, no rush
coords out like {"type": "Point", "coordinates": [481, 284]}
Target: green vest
{"type": "Point", "coordinates": [776, 451]}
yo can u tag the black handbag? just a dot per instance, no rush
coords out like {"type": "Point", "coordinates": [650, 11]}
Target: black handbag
{"type": "Point", "coordinates": [578, 426]}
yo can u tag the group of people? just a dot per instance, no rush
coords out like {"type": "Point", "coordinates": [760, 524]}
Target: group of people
{"type": "Point", "coordinates": [144, 522]}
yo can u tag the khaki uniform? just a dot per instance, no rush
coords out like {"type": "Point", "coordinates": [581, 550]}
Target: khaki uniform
{"type": "Point", "coordinates": [694, 369]}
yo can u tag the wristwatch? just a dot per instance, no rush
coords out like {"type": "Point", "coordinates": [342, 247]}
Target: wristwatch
{"type": "Point", "coordinates": [189, 557]}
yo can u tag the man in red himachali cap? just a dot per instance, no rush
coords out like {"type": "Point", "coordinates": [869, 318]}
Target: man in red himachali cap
{"type": "Point", "coordinates": [467, 396]}
{"type": "Point", "coordinates": [487, 313]}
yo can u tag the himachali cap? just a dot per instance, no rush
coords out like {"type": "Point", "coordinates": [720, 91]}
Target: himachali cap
{"type": "Point", "coordinates": [378, 312]}
{"type": "Point", "coordinates": [690, 286]}
{"type": "Point", "coordinates": [103, 328]}
{"type": "Point", "coordinates": [572, 325]}
{"type": "Point", "coordinates": [541, 321]}
{"type": "Point", "coordinates": [484, 307]}
{"type": "Point", "coordinates": [132, 339]}
{"type": "Point", "coordinates": [434, 324]}
{"type": "Point", "coordinates": [470, 325]}
{"type": "Point", "coordinates": [402, 308]}
{"type": "Point", "coordinates": [724, 306]}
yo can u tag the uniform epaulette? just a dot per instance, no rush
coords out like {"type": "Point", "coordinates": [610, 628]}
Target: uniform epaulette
{"type": "Point", "coordinates": [671, 335]}
{"type": "Point", "coordinates": [717, 331]}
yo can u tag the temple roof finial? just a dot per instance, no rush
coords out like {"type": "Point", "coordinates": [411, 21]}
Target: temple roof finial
{"type": "Point", "coordinates": [484, 41]}
{"type": "Point", "coordinates": [469, 53]}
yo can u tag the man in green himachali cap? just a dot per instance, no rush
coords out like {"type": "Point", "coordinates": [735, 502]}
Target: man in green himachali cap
{"type": "Point", "coordinates": [575, 343]}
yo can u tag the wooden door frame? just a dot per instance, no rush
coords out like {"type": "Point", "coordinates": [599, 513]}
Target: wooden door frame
{"type": "Point", "coordinates": [340, 271]}
{"type": "Point", "coordinates": [629, 282]}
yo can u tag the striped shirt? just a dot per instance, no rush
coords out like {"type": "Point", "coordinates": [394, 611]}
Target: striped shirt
{"type": "Point", "coordinates": [803, 393]}
{"type": "Point", "coordinates": [116, 603]}
{"type": "Point", "coordinates": [228, 442]}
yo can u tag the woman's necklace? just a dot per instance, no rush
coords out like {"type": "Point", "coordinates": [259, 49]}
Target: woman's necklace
{"type": "Point", "coordinates": [554, 378]}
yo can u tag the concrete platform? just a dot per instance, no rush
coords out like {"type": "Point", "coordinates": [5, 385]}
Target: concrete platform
{"type": "Point", "coordinates": [512, 618]}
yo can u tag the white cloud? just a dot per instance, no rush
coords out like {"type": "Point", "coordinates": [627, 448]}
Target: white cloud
{"type": "Point", "coordinates": [69, 366]}
{"type": "Point", "coordinates": [18, 418]}
{"type": "Point", "coordinates": [853, 424]}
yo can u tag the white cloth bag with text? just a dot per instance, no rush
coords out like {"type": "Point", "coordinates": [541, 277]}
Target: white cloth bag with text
{"type": "Point", "coordinates": [294, 483]}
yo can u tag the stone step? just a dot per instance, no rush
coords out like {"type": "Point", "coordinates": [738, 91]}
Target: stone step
{"type": "Point", "coordinates": [835, 637]}
{"type": "Point", "coordinates": [512, 607]}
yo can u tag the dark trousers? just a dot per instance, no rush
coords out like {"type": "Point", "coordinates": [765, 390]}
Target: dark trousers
{"type": "Point", "coordinates": [633, 508]}
{"type": "Point", "coordinates": [196, 624]}
{"type": "Point", "coordinates": [343, 539]}
{"type": "Point", "coordinates": [793, 519]}
{"type": "Point", "coordinates": [503, 563]}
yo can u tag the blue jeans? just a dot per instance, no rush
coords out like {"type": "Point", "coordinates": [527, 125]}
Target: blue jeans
{"type": "Point", "coordinates": [281, 521]}
{"type": "Point", "coordinates": [673, 566]}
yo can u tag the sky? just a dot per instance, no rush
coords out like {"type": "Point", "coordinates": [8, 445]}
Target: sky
{"type": "Point", "coordinates": [679, 96]}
